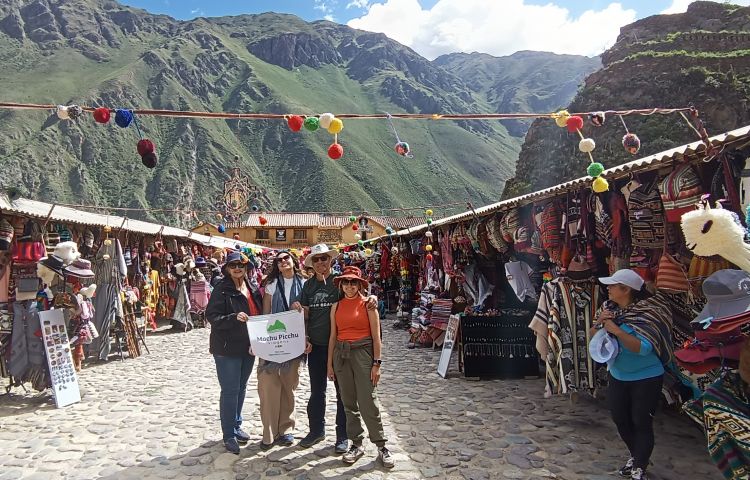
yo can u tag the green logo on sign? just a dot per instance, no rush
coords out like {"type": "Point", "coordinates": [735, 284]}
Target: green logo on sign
{"type": "Point", "coordinates": [276, 327]}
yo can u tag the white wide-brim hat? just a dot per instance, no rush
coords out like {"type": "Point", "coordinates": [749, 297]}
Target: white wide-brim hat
{"type": "Point", "coordinates": [319, 249]}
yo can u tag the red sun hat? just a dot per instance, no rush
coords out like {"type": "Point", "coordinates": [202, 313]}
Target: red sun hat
{"type": "Point", "coordinates": [351, 273]}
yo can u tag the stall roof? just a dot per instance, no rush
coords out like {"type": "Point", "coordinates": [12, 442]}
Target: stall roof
{"type": "Point", "coordinates": [323, 220]}
{"type": "Point", "coordinates": [42, 210]}
{"type": "Point", "coordinates": [651, 162]}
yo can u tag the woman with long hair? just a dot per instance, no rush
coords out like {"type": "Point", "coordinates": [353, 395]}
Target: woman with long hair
{"type": "Point", "coordinates": [642, 325]}
{"type": "Point", "coordinates": [354, 361]}
{"type": "Point", "coordinates": [278, 381]}
{"type": "Point", "coordinates": [232, 303]}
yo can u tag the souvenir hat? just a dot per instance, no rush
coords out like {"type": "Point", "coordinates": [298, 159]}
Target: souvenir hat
{"type": "Point", "coordinates": [54, 263]}
{"type": "Point", "coordinates": [603, 347]}
{"type": "Point", "coordinates": [317, 250]}
{"type": "Point", "coordinates": [200, 262]}
{"type": "Point", "coordinates": [579, 269]}
{"type": "Point", "coordinates": [88, 238]}
{"type": "Point", "coordinates": [80, 268]}
{"type": "Point", "coordinates": [351, 273]}
{"type": "Point", "coordinates": [625, 277]}
{"type": "Point", "coordinates": [6, 234]}
{"type": "Point", "coordinates": [727, 293]}
{"type": "Point", "coordinates": [706, 346]}
{"type": "Point", "coordinates": [233, 256]}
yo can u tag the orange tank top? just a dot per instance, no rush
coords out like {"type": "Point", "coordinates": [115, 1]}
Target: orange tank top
{"type": "Point", "coordinates": [352, 321]}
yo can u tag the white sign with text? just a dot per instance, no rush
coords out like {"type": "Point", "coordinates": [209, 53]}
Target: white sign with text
{"type": "Point", "coordinates": [277, 337]}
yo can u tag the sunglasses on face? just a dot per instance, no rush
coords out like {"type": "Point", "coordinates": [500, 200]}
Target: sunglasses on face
{"type": "Point", "coordinates": [236, 266]}
{"type": "Point", "coordinates": [350, 282]}
{"type": "Point", "coordinates": [323, 258]}
{"type": "Point", "coordinates": [283, 258]}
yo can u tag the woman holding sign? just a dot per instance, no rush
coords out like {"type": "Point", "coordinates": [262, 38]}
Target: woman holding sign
{"type": "Point", "coordinates": [278, 381]}
{"type": "Point", "coordinates": [232, 303]}
{"type": "Point", "coordinates": [354, 362]}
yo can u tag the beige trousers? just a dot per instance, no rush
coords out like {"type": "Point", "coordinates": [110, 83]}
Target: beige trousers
{"type": "Point", "coordinates": [276, 392]}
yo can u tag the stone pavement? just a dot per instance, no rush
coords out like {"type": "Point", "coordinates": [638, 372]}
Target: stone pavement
{"type": "Point", "coordinates": [157, 417]}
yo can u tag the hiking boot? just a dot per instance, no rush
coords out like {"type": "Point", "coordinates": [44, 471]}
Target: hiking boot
{"type": "Point", "coordinates": [266, 446]}
{"type": "Point", "coordinates": [241, 436]}
{"type": "Point", "coordinates": [342, 446]}
{"type": "Point", "coordinates": [355, 453]}
{"type": "Point", "coordinates": [386, 458]}
{"type": "Point", "coordinates": [627, 469]}
{"type": "Point", "coordinates": [285, 440]}
{"type": "Point", "coordinates": [311, 439]}
{"type": "Point", "coordinates": [638, 474]}
{"type": "Point", "coordinates": [232, 446]}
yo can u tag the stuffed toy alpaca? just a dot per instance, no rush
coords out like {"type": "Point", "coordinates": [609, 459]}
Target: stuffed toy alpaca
{"type": "Point", "coordinates": [88, 292]}
{"type": "Point", "coordinates": [67, 251]}
{"type": "Point", "coordinates": [716, 231]}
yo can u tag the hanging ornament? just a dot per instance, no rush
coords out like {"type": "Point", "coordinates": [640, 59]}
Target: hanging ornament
{"type": "Point", "coordinates": [595, 169]}
{"type": "Point", "coordinates": [587, 145]}
{"type": "Point", "coordinates": [62, 112]}
{"type": "Point", "coordinates": [221, 228]}
{"type": "Point", "coordinates": [631, 142]}
{"type": "Point", "coordinates": [236, 236]}
{"type": "Point", "coordinates": [75, 112]}
{"type": "Point", "coordinates": [561, 118]}
{"type": "Point", "coordinates": [219, 217]}
{"type": "Point", "coordinates": [429, 221]}
{"type": "Point", "coordinates": [361, 243]}
{"type": "Point", "coordinates": [262, 220]}
{"type": "Point", "coordinates": [428, 212]}
{"type": "Point", "coordinates": [428, 257]}
{"type": "Point", "coordinates": [600, 185]}
{"type": "Point", "coordinates": [597, 118]}
{"type": "Point", "coordinates": [335, 151]}
{"type": "Point", "coordinates": [149, 160]}
{"type": "Point", "coordinates": [295, 123]}
{"type": "Point", "coordinates": [200, 223]}
{"type": "Point", "coordinates": [428, 234]}
{"type": "Point", "coordinates": [255, 208]}
{"type": "Point", "coordinates": [401, 148]}
{"type": "Point", "coordinates": [368, 251]}
{"type": "Point", "coordinates": [146, 149]}
{"type": "Point", "coordinates": [335, 127]}
{"type": "Point", "coordinates": [102, 115]}
{"type": "Point", "coordinates": [355, 227]}
{"type": "Point", "coordinates": [357, 236]}
{"type": "Point", "coordinates": [123, 118]}
{"type": "Point", "coordinates": [394, 250]}
{"type": "Point", "coordinates": [389, 230]}
{"type": "Point", "coordinates": [325, 120]}
{"type": "Point", "coordinates": [574, 123]}
{"type": "Point", "coordinates": [428, 247]}
{"type": "Point", "coordinates": [107, 231]}
{"type": "Point", "coordinates": [311, 124]}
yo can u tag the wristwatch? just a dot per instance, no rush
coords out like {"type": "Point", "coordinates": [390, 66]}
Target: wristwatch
{"type": "Point", "coordinates": [377, 362]}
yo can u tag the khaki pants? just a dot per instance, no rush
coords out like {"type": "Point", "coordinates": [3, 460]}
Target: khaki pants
{"type": "Point", "coordinates": [276, 392]}
{"type": "Point", "coordinates": [358, 394]}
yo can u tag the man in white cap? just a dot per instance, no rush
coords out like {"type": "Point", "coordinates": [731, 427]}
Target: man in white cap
{"type": "Point", "coordinates": [318, 296]}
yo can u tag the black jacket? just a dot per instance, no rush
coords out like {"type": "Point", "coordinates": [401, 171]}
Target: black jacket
{"type": "Point", "coordinates": [228, 335]}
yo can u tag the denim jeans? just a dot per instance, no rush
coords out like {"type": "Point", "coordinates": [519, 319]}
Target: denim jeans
{"type": "Point", "coordinates": [317, 367]}
{"type": "Point", "coordinates": [233, 373]}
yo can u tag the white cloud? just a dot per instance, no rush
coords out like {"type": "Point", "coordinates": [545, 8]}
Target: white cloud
{"type": "Point", "coordinates": [497, 28]}
{"type": "Point", "coordinates": [329, 18]}
{"type": "Point", "coordinates": [324, 6]}
{"type": "Point", "coordinates": [198, 12]}
{"type": "Point", "coordinates": [358, 4]}
{"type": "Point", "coordinates": [680, 6]}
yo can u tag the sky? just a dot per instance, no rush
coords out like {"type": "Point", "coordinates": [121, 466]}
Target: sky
{"type": "Point", "coordinates": [436, 27]}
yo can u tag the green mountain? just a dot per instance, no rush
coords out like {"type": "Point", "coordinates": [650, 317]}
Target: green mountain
{"type": "Point", "coordinates": [700, 58]}
{"type": "Point", "coordinates": [277, 326]}
{"type": "Point", "coordinates": [523, 82]}
{"type": "Point", "coordinates": [101, 53]}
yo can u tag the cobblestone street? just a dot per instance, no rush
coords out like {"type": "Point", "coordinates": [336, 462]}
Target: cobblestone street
{"type": "Point", "coordinates": [157, 417]}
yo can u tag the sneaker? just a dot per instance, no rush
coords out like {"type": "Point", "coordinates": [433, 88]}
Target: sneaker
{"type": "Point", "coordinates": [265, 446]}
{"type": "Point", "coordinates": [638, 474]}
{"type": "Point", "coordinates": [355, 453]}
{"type": "Point", "coordinates": [285, 440]}
{"type": "Point", "coordinates": [627, 469]}
{"type": "Point", "coordinates": [342, 446]}
{"type": "Point", "coordinates": [241, 436]}
{"type": "Point", "coordinates": [311, 439]}
{"type": "Point", "coordinates": [386, 458]}
{"type": "Point", "coordinates": [232, 446]}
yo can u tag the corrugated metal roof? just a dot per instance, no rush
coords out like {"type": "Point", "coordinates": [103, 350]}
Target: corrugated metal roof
{"type": "Point", "coordinates": [651, 162]}
{"type": "Point", "coordinates": [42, 210]}
{"type": "Point", "coordinates": [323, 220]}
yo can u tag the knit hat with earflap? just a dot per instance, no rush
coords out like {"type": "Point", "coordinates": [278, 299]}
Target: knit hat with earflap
{"type": "Point", "coordinates": [6, 234]}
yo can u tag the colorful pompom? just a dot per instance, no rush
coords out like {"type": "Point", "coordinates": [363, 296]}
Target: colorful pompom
{"type": "Point", "coordinates": [352, 218]}
{"type": "Point", "coordinates": [574, 123]}
{"type": "Point", "coordinates": [123, 118]}
{"type": "Point", "coordinates": [428, 257]}
{"type": "Point", "coordinates": [335, 151]}
{"type": "Point", "coordinates": [368, 251]}
{"type": "Point", "coordinates": [336, 126]}
{"type": "Point", "coordinates": [600, 185]}
{"type": "Point", "coordinates": [149, 160]}
{"type": "Point", "coordinates": [325, 120]}
{"type": "Point", "coordinates": [311, 124]}
{"type": "Point", "coordinates": [361, 243]}
{"type": "Point", "coordinates": [62, 112]}
{"type": "Point", "coordinates": [587, 145]}
{"type": "Point", "coordinates": [428, 247]}
{"type": "Point", "coordinates": [295, 123]}
{"type": "Point", "coordinates": [597, 118]}
{"type": "Point", "coordinates": [262, 220]}
{"type": "Point", "coordinates": [428, 212]}
{"type": "Point", "coordinates": [389, 230]}
{"type": "Point", "coordinates": [402, 148]}
{"type": "Point", "coordinates": [428, 221]}
{"type": "Point", "coordinates": [221, 228]}
{"type": "Point", "coordinates": [428, 234]}
{"type": "Point", "coordinates": [595, 169]}
{"type": "Point", "coordinates": [561, 118]}
{"type": "Point", "coordinates": [632, 143]}
{"type": "Point", "coordinates": [355, 227]}
{"type": "Point", "coordinates": [102, 115]}
{"type": "Point", "coordinates": [74, 112]}
{"type": "Point", "coordinates": [255, 208]}
{"type": "Point", "coordinates": [394, 250]}
{"type": "Point", "coordinates": [145, 146]}
{"type": "Point", "coordinates": [357, 236]}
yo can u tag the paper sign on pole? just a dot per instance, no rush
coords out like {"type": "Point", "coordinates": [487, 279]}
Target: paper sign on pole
{"type": "Point", "coordinates": [277, 337]}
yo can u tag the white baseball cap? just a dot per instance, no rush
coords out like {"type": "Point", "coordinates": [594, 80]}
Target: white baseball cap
{"type": "Point", "coordinates": [625, 277]}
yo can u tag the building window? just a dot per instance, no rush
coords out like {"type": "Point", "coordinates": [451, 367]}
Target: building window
{"type": "Point", "coordinates": [300, 234]}
{"type": "Point", "coordinates": [261, 234]}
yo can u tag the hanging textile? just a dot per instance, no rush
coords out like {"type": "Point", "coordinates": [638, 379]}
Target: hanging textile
{"type": "Point", "coordinates": [182, 305]}
{"type": "Point", "coordinates": [109, 272]}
